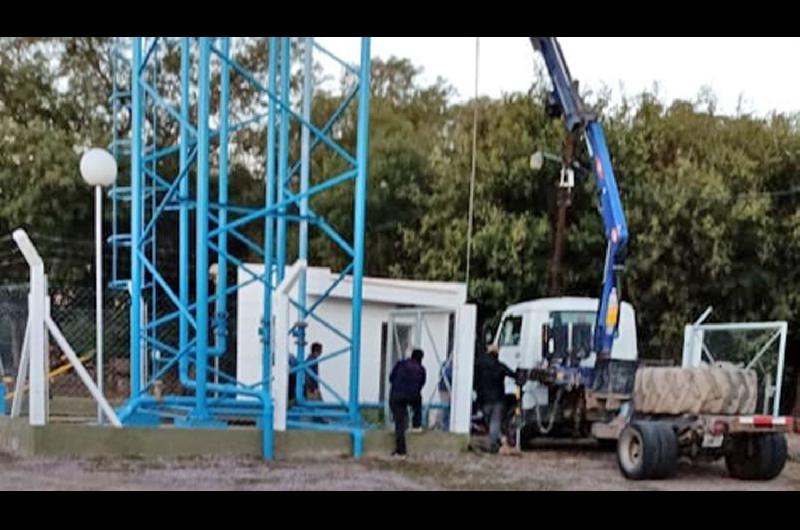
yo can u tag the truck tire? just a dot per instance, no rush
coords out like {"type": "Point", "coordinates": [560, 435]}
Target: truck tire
{"type": "Point", "coordinates": [756, 457]}
{"type": "Point", "coordinates": [668, 463]}
{"type": "Point", "coordinates": [647, 450]}
{"type": "Point", "coordinates": [719, 389]}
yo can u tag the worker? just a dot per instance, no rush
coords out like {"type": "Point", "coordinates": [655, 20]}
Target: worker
{"type": "Point", "coordinates": [407, 379]}
{"type": "Point", "coordinates": [311, 388]}
{"type": "Point", "coordinates": [490, 383]}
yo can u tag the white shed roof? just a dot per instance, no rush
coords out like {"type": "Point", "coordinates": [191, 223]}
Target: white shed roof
{"type": "Point", "coordinates": [388, 290]}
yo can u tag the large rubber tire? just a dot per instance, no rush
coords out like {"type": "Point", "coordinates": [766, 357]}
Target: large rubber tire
{"type": "Point", "coordinates": [702, 390]}
{"type": "Point", "coordinates": [756, 457]}
{"type": "Point", "coordinates": [647, 450]}
{"type": "Point", "coordinates": [670, 452]}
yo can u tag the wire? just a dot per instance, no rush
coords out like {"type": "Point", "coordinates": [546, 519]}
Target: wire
{"type": "Point", "coordinates": [474, 151]}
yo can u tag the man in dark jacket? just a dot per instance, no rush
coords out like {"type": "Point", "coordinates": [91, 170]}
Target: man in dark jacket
{"type": "Point", "coordinates": [311, 390]}
{"type": "Point", "coordinates": [407, 379]}
{"type": "Point", "coordinates": [490, 385]}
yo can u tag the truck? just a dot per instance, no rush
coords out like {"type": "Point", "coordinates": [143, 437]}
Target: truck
{"type": "Point", "coordinates": [565, 391]}
{"type": "Point", "coordinates": [577, 359]}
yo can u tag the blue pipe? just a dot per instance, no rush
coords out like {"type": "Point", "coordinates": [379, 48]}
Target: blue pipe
{"type": "Point", "coordinates": [302, 244]}
{"type": "Point", "coordinates": [153, 211]}
{"type": "Point", "coordinates": [183, 223]}
{"type": "Point", "coordinates": [200, 412]}
{"type": "Point", "coordinates": [220, 325]}
{"type": "Point", "coordinates": [359, 228]}
{"type": "Point", "coordinates": [283, 154]}
{"type": "Point", "coordinates": [267, 422]}
{"type": "Point", "coordinates": [136, 216]}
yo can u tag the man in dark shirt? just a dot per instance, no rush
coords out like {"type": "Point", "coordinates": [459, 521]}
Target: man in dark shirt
{"type": "Point", "coordinates": [311, 390]}
{"type": "Point", "coordinates": [490, 383]}
{"type": "Point", "coordinates": [407, 379]}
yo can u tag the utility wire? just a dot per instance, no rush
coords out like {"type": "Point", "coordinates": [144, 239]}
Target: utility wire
{"type": "Point", "coordinates": [474, 153]}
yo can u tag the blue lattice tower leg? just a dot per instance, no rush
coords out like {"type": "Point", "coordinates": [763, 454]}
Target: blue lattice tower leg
{"type": "Point", "coordinates": [136, 216]}
{"type": "Point", "coordinates": [359, 228]}
{"type": "Point", "coordinates": [200, 416]}
{"type": "Point", "coordinates": [267, 422]}
{"type": "Point", "coordinates": [221, 317]}
{"type": "Point", "coordinates": [183, 219]}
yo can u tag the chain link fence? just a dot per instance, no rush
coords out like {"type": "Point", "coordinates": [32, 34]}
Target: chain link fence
{"type": "Point", "coordinates": [73, 309]}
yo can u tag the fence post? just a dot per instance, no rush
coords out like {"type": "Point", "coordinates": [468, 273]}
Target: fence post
{"type": "Point", "coordinates": [37, 341]}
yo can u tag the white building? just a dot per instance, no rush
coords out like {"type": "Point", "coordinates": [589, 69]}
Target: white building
{"type": "Point", "coordinates": [431, 315]}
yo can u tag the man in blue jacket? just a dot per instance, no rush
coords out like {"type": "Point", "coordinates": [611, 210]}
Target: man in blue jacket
{"type": "Point", "coordinates": [407, 379]}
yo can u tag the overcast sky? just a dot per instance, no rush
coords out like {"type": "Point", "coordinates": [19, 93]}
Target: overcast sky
{"type": "Point", "coordinates": [760, 69]}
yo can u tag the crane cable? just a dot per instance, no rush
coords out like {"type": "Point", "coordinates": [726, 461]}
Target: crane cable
{"type": "Point", "coordinates": [474, 152]}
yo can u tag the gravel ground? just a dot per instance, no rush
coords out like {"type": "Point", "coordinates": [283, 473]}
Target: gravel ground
{"type": "Point", "coordinates": [571, 468]}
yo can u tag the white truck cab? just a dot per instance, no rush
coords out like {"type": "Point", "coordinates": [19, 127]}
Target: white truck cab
{"type": "Point", "coordinates": [520, 336]}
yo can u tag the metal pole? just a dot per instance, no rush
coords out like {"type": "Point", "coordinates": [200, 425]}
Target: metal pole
{"type": "Point", "coordinates": [474, 158]}
{"type": "Point", "coordinates": [183, 222]}
{"type": "Point", "coordinates": [115, 153]}
{"type": "Point", "coordinates": [776, 405]}
{"type": "Point", "coordinates": [136, 217]}
{"type": "Point", "coordinates": [222, 240]}
{"type": "Point", "coordinates": [305, 140]}
{"type": "Point", "coordinates": [267, 442]}
{"type": "Point", "coordinates": [283, 153]}
{"type": "Point", "coordinates": [98, 285]}
{"type": "Point", "coordinates": [37, 333]}
{"type": "Point", "coordinates": [201, 246]}
{"type": "Point", "coordinates": [359, 226]}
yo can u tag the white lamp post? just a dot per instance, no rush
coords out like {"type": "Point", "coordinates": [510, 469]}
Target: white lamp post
{"type": "Point", "coordinates": [98, 169]}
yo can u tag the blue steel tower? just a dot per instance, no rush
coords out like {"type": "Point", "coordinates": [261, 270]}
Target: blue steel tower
{"type": "Point", "coordinates": [175, 293]}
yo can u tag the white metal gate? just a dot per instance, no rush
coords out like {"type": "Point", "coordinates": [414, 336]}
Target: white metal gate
{"type": "Point", "coordinates": [757, 345]}
{"type": "Point", "coordinates": [434, 332]}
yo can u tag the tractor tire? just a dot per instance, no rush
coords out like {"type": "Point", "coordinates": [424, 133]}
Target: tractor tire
{"type": "Point", "coordinates": [647, 450]}
{"type": "Point", "coordinates": [756, 457]}
{"type": "Point", "coordinates": [719, 389]}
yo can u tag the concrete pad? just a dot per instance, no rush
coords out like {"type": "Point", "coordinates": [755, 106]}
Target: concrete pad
{"type": "Point", "coordinates": [71, 439]}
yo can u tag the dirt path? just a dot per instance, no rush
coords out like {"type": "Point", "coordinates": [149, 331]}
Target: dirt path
{"type": "Point", "coordinates": [546, 469]}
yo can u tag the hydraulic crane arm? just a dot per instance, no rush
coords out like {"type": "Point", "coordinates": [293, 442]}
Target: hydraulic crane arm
{"type": "Point", "coordinates": [567, 102]}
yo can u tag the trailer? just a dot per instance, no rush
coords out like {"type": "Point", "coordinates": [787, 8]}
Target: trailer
{"type": "Point", "coordinates": [754, 447]}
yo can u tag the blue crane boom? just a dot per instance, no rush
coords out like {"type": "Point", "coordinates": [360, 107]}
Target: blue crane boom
{"type": "Point", "coordinates": [566, 101]}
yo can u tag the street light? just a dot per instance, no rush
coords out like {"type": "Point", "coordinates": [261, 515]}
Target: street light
{"type": "Point", "coordinates": [98, 169]}
{"type": "Point", "coordinates": [538, 158]}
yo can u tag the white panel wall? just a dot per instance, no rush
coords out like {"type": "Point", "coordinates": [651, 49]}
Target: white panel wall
{"type": "Point", "coordinates": [335, 372]}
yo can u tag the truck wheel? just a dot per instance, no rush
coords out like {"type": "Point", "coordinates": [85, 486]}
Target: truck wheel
{"type": "Point", "coordinates": [756, 457]}
{"type": "Point", "coordinates": [647, 450]}
{"type": "Point", "coordinates": [668, 463]}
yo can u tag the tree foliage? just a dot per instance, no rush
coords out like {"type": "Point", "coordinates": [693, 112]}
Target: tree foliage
{"type": "Point", "coordinates": [711, 200]}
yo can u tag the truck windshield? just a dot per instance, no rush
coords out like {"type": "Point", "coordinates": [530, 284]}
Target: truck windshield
{"type": "Point", "coordinates": [510, 331]}
{"type": "Point", "coordinates": [572, 317]}
{"type": "Point", "coordinates": [571, 333]}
